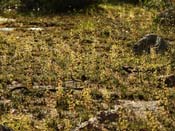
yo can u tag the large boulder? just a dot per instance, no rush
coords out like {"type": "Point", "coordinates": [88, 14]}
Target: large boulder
{"type": "Point", "coordinates": [149, 41]}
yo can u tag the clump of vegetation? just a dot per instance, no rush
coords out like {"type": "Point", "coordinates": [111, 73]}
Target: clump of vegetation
{"type": "Point", "coordinates": [80, 65]}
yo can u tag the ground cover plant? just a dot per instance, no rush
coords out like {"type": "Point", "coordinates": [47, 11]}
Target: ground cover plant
{"type": "Point", "coordinates": [76, 66]}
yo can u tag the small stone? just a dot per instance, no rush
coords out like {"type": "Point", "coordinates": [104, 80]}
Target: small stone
{"type": "Point", "coordinates": [105, 106]}
{"type": "Point", "coordinates": [13, 111]}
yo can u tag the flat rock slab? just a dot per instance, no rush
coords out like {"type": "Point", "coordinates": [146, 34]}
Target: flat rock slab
{"type": "Point", "coordinates": [148, 42]}
{"type": "Point", "coordinates": [10, 29]}
{"type": "Point", "coordinates": [6, 20]}
{"type": "Point", "coordinates": [6, 29]}
{"type": "Point", "coordinates": [35, 29]}
{"type": "Point", "coordinates": [140, 105]}
{"type": "Point", "coordinates": [139, 108]}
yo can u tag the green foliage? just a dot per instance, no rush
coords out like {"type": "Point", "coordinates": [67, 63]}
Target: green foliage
{"type": "Point", "coordinates": [73, 69]}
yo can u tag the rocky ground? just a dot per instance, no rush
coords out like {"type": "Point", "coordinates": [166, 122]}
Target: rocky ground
{"type": "Point", "coordinates": [88, 71]}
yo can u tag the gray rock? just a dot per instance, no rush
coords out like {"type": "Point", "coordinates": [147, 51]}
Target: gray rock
{"type": "Point", "coordinates": [35, 29]}
{"type": "Point", "coordinates": [140, 106]}
{"type": "Point", "coordinates": [10, 29]}
{"type": "Point", "coordinates": [149, 41]}
{"type": "Point", "coordinates": [141, 109]}
{"type": "Point", "coordinates": [7, 29]}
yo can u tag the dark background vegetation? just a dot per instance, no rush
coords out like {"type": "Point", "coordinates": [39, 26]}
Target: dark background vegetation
{"type": "Point", "coordinates": [50, 6]}
{"type": "Point", "coordinates": [46, 5]}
